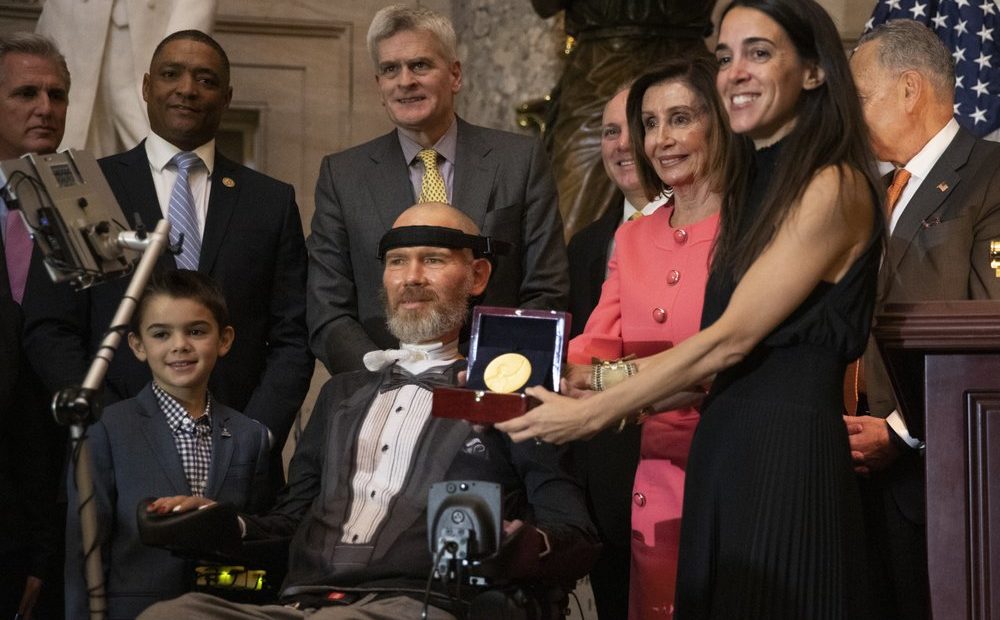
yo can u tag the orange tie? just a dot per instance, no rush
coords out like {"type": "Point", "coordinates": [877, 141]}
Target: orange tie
{"type": "Point", "coordinates": [854, 378]}
{"type": "Point", "coordinates": [854, 386]}
{"type": "Point", "coordinates": [635, 216]}
{"type": "Point", "coordinates": [899, 180]}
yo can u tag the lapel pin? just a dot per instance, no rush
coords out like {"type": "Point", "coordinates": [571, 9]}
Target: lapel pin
{"type": "Point", "coordinates": [225, 432]}
{"type": "Point", "coordinates": [229, 182]}
{"type": "Point", "coordinates": [942, 187]}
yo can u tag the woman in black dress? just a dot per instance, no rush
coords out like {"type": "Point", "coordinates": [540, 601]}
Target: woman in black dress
{"type": "Point", "coordinates": [772, 523]}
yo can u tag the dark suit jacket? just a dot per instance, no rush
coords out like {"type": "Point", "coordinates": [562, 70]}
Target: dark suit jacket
{"type": "Point", "coordinates": [134, 457]}
{"type": "Point", "coordinates": [317, 498]}
{"type": "Point", "coordinates": [31, 450]}
{"type": "Point", "coordinates": [939, 250]}
{"type": "Point", "coordinates": [10, 339]}
{"type": "Point", "coordinates": [502, 181]}
{"type": "Point", "coordinates": [588, 262]}
{"type": "Point", "coordinates": [253, 247]}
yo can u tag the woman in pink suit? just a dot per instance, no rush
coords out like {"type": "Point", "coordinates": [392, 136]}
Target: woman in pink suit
{"type": "Point", "coordinates": [652, 298]}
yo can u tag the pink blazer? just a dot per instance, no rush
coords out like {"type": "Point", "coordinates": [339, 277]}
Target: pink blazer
{"type": "Point", "coordinates": [654, 292]}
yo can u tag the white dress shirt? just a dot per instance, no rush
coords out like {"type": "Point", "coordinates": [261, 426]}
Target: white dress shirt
{"type": "Point", "coordinates": [919, 168]}
{"type": "Point", "coordinates": [159, 152]}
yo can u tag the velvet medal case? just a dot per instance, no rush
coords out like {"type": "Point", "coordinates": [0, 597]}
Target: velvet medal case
{"type": "Point", "coordinates": [540, 336]}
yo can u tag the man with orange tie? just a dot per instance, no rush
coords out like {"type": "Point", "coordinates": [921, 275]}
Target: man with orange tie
{"type": "Point", "coordinates": [943, 210]}
{"type": "Point", "coordinates": [500, 180]}
{"type": "Point", "coordinates": [34, 94]}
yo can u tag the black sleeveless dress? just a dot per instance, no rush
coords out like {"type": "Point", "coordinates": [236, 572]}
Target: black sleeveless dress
{"type": "Point", "coordinates": [772, 524]}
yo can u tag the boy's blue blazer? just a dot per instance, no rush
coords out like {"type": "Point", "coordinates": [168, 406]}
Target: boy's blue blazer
{"type": "Point", "coordinates": [135, 457]}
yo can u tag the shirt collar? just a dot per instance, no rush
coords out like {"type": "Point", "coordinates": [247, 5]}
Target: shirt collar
{"type": "Point", "coordinates": [921, 164]}
{"type": "Point", "coordinates": [160, 152]}
{"type": "Point", "coordinates": [176, 414]}
{"type": "Point", "coordinates": [445, 146]}
{"type": "Point", "coordinates": [650, 207]}
{"type": "Point", "coordinates": [430, 355]}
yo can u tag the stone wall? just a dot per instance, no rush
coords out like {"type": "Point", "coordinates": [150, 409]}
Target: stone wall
{"type": "Point", "coordinates": [510, 55]}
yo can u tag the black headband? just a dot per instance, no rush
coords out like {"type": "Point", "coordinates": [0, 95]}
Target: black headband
{"type": "Point", "coordinates": [440, 237]}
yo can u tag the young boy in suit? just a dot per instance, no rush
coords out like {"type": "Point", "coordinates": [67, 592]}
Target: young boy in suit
{"type": "Point", "coordinates": [173, 438]}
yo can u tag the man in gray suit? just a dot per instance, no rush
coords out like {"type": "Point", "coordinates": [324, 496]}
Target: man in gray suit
{"type": "Point", "coordinates": [940, 228]}
{"type": "Point", "coordinates": [500, 180]}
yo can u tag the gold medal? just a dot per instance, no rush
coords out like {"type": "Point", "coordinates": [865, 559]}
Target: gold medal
{"type": "Point", "coordinates": [507, 373]}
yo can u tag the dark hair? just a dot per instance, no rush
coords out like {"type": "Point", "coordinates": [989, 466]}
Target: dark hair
{"type": "Point", "coordinates": [183, 284]}
{"type": "Point", "coordinates": [829, 131]}
{"type": "Point", "coordinates": [200, 37]}
{"type": "Point", "coordinates": [698, 74]}
{"type": "Point", "coordinates": [34, 45]}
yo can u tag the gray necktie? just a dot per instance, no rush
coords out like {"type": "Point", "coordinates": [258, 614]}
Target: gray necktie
{"type": "Point", "coordinates": [183, 218]}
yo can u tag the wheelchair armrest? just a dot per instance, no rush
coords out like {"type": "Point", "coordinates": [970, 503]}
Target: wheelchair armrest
{"type": "Point", "coordinates": [209, 533]}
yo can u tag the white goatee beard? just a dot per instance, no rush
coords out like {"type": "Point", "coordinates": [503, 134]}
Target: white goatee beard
{"type": "Point", "coordinates": [442, 317]}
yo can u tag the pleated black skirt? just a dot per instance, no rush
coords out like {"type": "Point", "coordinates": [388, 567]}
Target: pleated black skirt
{"type": "Point", "coordinates": [772, 525]}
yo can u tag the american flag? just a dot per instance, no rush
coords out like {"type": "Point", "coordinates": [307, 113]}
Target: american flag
{"type": "Point", "coordinates": [971, 30]}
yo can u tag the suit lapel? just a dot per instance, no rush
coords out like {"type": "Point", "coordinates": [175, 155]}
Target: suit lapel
{"type": "Point", "coordinates": [221, 206]}
{"type": "Point", "coordinates": [440, 441]}
{"type": "Point", "coordinates": [439, 437]}
{"type": "Point", "coordinates": [5, 292]}
{"type": "Point", "coordinates": [222, 450]}
{"type": "Point", "coordinates": [138, 194]}
{"type": "Point", "coordinates": [161, 441]}
{"type": "Point", "coordinates": [942, 180]}
{"type": "Point", "coordinates": [389, 187]}
{"type": "Point", "coordinates": [474, 173]}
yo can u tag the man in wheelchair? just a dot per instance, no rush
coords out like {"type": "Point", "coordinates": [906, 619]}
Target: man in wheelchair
{"type": "Point", "coordinates": [356, 500]}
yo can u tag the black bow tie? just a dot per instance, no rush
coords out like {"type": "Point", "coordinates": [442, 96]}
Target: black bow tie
{"type": "Point", "coordinates": [428, 380]}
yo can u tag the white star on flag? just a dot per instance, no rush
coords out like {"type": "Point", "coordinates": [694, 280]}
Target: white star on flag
{"type": "Point", "coordinates": [967, 29]}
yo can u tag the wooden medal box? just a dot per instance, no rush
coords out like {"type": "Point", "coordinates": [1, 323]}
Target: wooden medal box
{"type": "Point", "coordinates": [539, 335]}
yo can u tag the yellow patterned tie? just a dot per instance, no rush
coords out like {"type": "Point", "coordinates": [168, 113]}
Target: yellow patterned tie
{"type": "Point", "coordinates": [432, 187]}
{"type": "Point", "coordinates": [635, 216]}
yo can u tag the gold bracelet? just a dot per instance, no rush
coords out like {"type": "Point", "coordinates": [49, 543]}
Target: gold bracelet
{"type": "Point", "coordinates": [607, 374]}
{"type": "Point", "coordinates": [639, 417]}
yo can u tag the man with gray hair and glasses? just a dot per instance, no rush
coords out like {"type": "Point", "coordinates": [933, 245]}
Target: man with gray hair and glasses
{"type": "Point", "coordinates": [943, 210]}
{"type": "Point", "coordinates": [500, 180]}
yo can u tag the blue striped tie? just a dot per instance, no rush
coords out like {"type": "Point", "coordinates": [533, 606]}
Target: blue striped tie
{"type": "Point", "coordinates": [182, 216]}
